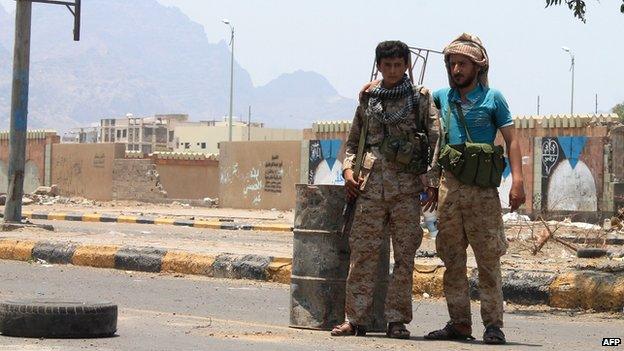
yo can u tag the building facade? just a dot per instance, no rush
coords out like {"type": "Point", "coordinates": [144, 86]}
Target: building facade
{"type": "Point", "coordinates": [142, 134]}
{"type": "Point", "coordinates": [204, 137]}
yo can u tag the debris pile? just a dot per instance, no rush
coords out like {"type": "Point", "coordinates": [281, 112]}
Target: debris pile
{"type": "Point", "coordinates": [617, 221]}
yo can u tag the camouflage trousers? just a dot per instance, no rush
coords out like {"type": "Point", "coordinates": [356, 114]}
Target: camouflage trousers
{"type": "Point", "coordinates": [469, 214]}
{"type": "Point", "coordinates": [373, 222]}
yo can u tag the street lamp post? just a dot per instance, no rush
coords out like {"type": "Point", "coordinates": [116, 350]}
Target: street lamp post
{"type": "Point", "coordinates": [566, 49]}
{"type": "Point", "coordinates": [226, 21]}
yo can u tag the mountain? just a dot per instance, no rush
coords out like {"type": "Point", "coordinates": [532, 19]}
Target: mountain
{"type": "Point", "coordinates": [300, 98]}
{"type": "Point", "coordinates": [142, 57]}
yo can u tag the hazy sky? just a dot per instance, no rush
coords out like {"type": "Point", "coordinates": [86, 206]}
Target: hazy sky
{"type": "Point", "coordinates": [337, 39]}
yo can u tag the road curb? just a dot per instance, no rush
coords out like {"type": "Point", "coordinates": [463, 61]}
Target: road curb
{"type": "Point", "coordinates": [109, 218]}
{"type": "Point", "coordinates": [149, 259]}
{"type": "Point", "coordinates": [585, 289]}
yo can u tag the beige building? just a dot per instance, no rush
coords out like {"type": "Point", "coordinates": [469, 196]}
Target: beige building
{"type": "Point", "coordinates": [205, 136]}
{"type": "Point", "coordinates": [142, 134]}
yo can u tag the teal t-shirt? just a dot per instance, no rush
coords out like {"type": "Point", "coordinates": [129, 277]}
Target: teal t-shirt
{"type": "Point", "coordinates": [485, 111]}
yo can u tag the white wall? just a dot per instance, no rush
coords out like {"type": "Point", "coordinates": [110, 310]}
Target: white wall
{"type": "Point", "coordinates": [196, 134]}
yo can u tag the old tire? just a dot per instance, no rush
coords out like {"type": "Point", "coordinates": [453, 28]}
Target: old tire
{"type": "Point", "coordinates": [47, 318]}
{"type": "Point", "coordinates": [591, 252]}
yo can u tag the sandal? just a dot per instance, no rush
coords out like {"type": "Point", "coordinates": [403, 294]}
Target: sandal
{"type": "Point", "coordinates": [348, 328]}
{"type": "Point", "coordinates": [449, 332]}
{"type": "Point", "coordinates": [493, 336]}
{"type": "Point", "coordinates": [397, 330]}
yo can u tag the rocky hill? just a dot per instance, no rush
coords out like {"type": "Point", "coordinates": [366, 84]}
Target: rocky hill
{"type": "Point", "coordinates": [142, 57]}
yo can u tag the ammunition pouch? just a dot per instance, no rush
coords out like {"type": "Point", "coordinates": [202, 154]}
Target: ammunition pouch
{"type": "Point", "coordinates": [479, 164]}
{"type": "Point", "coordinates": [410, 153]}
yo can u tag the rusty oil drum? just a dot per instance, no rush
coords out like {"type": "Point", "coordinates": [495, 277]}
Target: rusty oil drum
{"type": "Point", "coordinates": [320, 262]}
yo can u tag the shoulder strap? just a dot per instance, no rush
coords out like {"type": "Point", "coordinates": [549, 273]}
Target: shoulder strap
{"type": "Point", "coordinates": [460, 112]}
{"type": "Point", "coordinates": [421, 122]}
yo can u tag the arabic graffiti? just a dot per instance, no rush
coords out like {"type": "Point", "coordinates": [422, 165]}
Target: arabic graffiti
{"type": "Point", "coordinates": [550, 154]}
{"type": "Point", "coordinates": [256, 183]}
{"type": "Point", "coordinates": [273, 175]}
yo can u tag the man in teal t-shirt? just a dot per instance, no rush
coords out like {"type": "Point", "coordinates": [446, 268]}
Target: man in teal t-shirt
{"type": "Point", "coordinates": [485, 110]}
{"type": "Point", "coordinates": [470, 214]}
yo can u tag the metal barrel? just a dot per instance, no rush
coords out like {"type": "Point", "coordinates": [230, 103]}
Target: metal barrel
{"type": "Point", "coordinates": [321, 261]}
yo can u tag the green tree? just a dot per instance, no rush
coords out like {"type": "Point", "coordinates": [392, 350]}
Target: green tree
{"type": "Point", "coordinates": [619, 110]}
{"type": "Point", "coordinates": [576, 6]}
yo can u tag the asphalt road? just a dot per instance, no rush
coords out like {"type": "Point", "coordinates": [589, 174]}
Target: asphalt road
{"type": "Point", "coordinates": [198, 240]}
{"type": "Point", "coordinates": [166, 312]}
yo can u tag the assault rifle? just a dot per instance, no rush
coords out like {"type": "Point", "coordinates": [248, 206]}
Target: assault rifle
{"type": "Point", "coordinates": [348, 211]}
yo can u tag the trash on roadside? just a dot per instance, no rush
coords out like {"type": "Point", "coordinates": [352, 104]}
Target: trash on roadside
{"type": "Point", "coordinates": [211, 202]}
{"type": "Point", "coordinates": [515, 217]}
{"type": "Point", "coordinates": [52, 190]}
{"type": "Point", "coordinates": [43, 263]}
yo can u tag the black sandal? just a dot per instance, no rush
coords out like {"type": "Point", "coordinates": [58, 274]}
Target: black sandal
{"type": "Point", "coordinates": [397, 330]}
{"type": "Point", "coordinates": [449, 332]}
{"type": "Point", "coordinates": [493, 336]}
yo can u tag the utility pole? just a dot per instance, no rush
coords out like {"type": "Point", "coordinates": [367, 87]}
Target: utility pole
{"type": "Point", "coordinates": [538, 104]}
{"type": "Point", "coordinates": [572, 93]}
{"type": "Point", "coordinates": [569, 51]}
{"type": "Point", "coordinates": [19, 102]}
{"type": "Point", "coordinates": [596, 108]}
{"type": "Point", "coordinates": [19, 111]}
{"type": "Point", "coordinates": [249, 124]}
{"type": "Point", "coordinates": [226, 21]}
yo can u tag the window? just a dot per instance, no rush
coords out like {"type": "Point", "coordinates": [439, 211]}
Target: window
{"type": "Point", "coordinates": [203, 145]}
{"type": "Point", "coordinates": [170, 135]}
{"type": "Point", "coordinates": [123, 134]}
{"type": "Point", "coordinates": [118, 134]}
{"type": "Point", "coordinates": [187, 145]}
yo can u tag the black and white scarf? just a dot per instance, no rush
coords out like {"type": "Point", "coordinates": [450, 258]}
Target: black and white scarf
{"type": "Point", "coordinates": [379, 94]}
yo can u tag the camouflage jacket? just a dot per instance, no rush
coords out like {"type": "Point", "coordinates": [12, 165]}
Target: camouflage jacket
{"type": "Point", "coordinates": [382, 178]}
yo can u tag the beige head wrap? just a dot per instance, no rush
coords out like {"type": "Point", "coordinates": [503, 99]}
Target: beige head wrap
{"type": "Point", "coordinates": [468, 45]}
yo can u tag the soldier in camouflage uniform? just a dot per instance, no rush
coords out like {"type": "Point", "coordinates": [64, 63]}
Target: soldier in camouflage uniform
{"type": "Point", "coordinates": [469, 214]}
{"type": "Point", "coordinates": [387, 192]}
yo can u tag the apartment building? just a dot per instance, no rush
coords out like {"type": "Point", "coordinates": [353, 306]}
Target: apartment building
{"type": "Point", "coordinates": [143, 134]}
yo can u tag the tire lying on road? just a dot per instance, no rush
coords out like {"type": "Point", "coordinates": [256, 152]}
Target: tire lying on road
{"type": "Point", "coordinates": [591, 252]}
{"type": "Point", "coordinates": [47, 318]}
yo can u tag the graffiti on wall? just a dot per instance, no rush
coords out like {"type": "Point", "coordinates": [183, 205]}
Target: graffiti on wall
{"type": "Point", "coordinates": [99, 160]}
{"type": "Point", "coordinates": [323, 164]}
{"type": "Point", "coordinates": [567, 182]}
{"type": "Point", "coordinates": [273, 174]}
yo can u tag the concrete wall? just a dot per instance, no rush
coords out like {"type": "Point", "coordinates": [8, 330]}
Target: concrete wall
{"type": "Point", "coordinates": [189, 179]}
{"type": "Point", "coordinates": [325, 159]}
{"type": "Point", "coordinates": [259, 174]}
{"type": "Point", "coordinates": [85, 170]}
{"type": "Point", "coordinates": [571, 174]}
{"type": "Point", "coordinates": [137, 179]}
{"type": "Point", "coordinates": [617, 147]}
{"type": "Point", "coordinates": [36, 165]}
